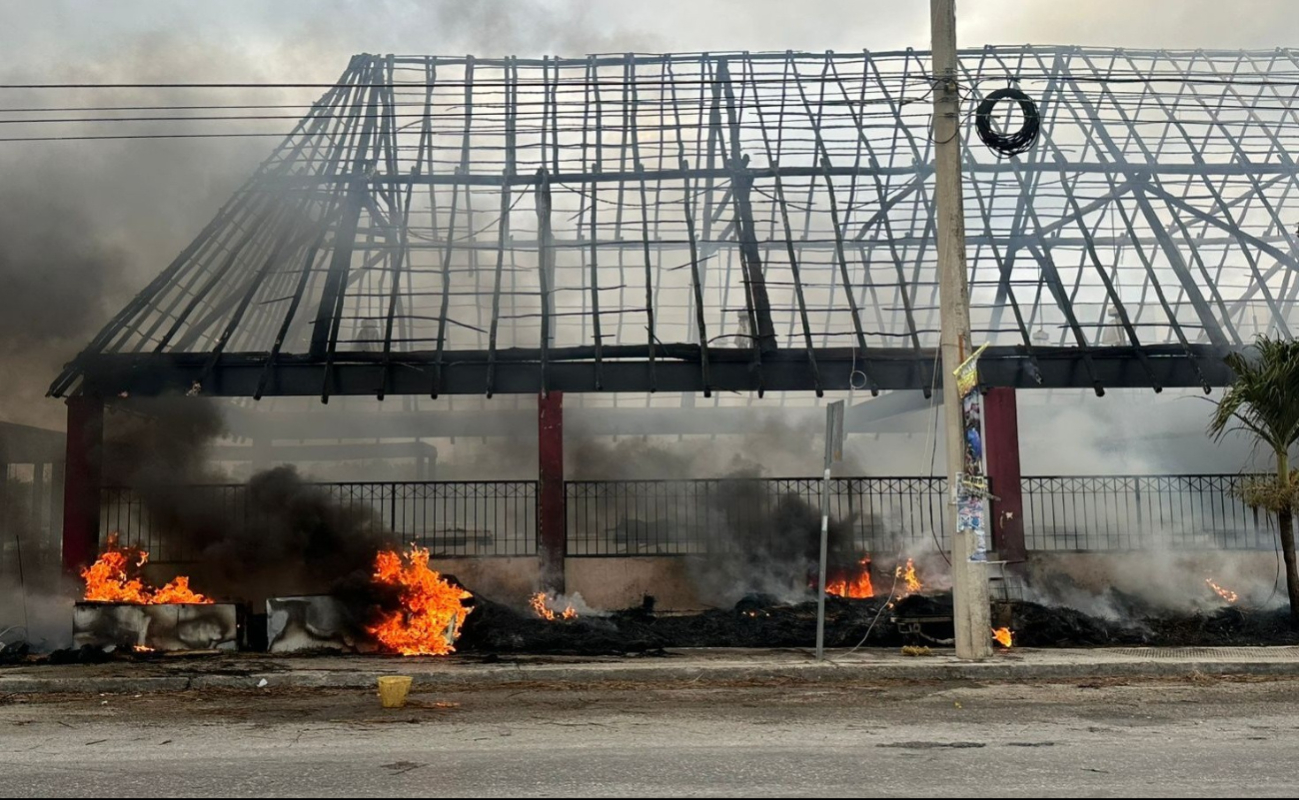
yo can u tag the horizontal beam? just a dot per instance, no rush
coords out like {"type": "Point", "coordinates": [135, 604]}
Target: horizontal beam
{"type": "Point", "coordinates": [1133, 171]}
{"type": "Point", "coordinates": [489, 421]}
{"type": "Point", "coordinates": [298, 453]}
{"type": "Point", "coordinates": [624, 369]}
{"type": "Point", "coordinates": [24, 444]}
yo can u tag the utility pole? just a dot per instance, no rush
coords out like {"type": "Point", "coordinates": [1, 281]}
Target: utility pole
{"type": "Point", "coordinates": [969, 579]}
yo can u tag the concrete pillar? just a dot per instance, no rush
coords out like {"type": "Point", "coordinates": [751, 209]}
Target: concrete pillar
{"type": "Point", "coordinates": [83, 478]}
{"type": "Point", "coordinates": [1001, 446]}
{"type": "Point", "coordinates": [552, 533]}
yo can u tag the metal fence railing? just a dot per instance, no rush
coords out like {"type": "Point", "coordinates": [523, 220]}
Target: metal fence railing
{"type": "Point", "coordinates": [450, 518]}
{"type": "Point", "coordinates": [1142, 512]}
{"type": "Point", "coordinates": [683, 517]}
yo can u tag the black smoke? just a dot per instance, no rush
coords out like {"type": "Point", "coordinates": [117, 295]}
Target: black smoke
{"type": "Point", "coordinates": [277, 534]}
{"type": "Point", "coordinates": [764, 546]}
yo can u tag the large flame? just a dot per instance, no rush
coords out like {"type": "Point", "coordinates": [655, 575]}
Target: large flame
{"type": "Point", "coordinates": [1225, 594]}
{"type": "Point", "coordinates": [432, 611]}
{"type": "Point", "coordinates": [544, 604]}
{"type": "Point", "coordinates": [113, 578]}
{"type": "Point", "coordinates": [853, 585]}
{"type": "Point", "coordinates": [1004, 636]}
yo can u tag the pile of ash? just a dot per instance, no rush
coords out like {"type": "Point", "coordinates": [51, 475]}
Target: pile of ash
{"type": "Point", "coordinates": [760, 621]}
{"type": "Point", "coordinates": [1037, 625]}
{"type": "Point", "coordinates": [756, 621]}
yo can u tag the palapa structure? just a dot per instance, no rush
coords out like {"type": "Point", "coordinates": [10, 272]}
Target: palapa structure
{"type": "Point", "coordinates": [740, 222]}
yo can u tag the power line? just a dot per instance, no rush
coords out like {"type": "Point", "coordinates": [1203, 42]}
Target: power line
{"type": "Point", "coordinates": [141, 136]}
{"type": "Point", "coordinates": [1134, 78]}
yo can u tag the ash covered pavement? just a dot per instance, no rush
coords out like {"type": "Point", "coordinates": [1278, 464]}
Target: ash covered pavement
{"type": "Point", "coordinates": [245, 671]}
{"type": "Point", "coordinates": [1198, 736]}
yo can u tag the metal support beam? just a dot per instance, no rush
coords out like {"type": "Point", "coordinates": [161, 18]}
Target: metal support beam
{"type": "Point", "coordinates": [678, 369]}
{"type": "Point", "coordinates": [83, 477]}
{"type": "Point", "coordinates": [552, 534]}
{"type": "Point", "coordinates": [1001, 446]}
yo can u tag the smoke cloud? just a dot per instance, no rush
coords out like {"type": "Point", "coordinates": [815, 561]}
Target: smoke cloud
{"type": "Point", "coordinates": [291, 537]}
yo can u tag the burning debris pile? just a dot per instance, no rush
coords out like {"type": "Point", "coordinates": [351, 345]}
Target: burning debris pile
{"type": "Point", "coordinates": [115, 578]}
{"type": "Point", "coordinates": [850, 582]}
{"type": "Point", "coordinates": [431, 609]}
{"type": "Point", "coordinates": [412, 610]}
{"type": "Point", "coordinates": [546, 605]}
{"type": "Point", "coordinates": [332, 577]}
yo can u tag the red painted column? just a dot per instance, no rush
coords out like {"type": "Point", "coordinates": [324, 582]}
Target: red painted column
{"type": "Point", "coordinates": [552, 533]}
{"type": "Point", "coordinates": [1001, 446]}
{"type": "Point", "coordinates": [82, 478]}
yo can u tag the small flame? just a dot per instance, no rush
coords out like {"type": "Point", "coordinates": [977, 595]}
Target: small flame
{"type": "Point", "coordinates": [908, 575]}
{"type": "Point", "coordinates": [856, 586]}
{"type": "Point", "coordinates": [1225, 594]}
{"type": "Point", "coordinates": [108, 580]}
{"type": "Point", "coordinates": [142, 648]}
{"type": "Point", "coordinates": [178, 591]}
{"type": "Point", "coordinates": [544, 604]}
{"type": "Point", "coordinates": [432, 611]}
{"type": "Point", "coordinates": [1004, 637]}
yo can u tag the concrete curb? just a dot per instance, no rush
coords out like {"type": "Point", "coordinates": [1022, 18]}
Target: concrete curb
{"type": "Point", "coordinates": [664, 673]}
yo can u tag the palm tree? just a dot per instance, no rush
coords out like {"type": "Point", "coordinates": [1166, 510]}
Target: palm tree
{"type": "Point", "coordinates": [1263, 400]}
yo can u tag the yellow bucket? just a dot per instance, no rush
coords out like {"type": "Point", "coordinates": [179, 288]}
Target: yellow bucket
{"type": "Point", "coordinates": [393, 690]}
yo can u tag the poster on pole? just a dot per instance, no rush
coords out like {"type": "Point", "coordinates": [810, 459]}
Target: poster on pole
{"type": "Point", "coordinates": [970, 486]}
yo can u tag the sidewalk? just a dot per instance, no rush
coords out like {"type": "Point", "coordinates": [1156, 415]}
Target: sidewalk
{"type": "Point", "coordinates": [251, 671]}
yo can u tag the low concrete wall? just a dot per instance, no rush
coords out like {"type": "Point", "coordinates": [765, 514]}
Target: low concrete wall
{"type": "Point", "coordinates": [505, 580]}
{"type": "Point", "coordinates": [622, 582]}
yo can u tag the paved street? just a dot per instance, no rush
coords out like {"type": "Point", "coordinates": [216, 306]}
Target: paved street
{"type": "Point", "coordinates": [1197, 737]}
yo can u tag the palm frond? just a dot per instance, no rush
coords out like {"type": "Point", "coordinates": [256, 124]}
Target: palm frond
{"type": "Point", "coordinates": [1264, 397]}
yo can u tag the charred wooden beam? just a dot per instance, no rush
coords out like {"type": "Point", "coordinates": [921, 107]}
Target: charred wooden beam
{"type": "Point", "coordinates": [626, 369]}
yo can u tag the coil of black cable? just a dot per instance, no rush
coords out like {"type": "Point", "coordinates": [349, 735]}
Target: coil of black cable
{"type": "Point", "coordinates": [1012, 144]}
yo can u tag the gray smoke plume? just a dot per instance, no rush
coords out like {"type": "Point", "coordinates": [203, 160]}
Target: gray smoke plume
{"type": "Point", "coordinates": [757, 542]}
{"type": "Point", "coordinates": [768, 546]}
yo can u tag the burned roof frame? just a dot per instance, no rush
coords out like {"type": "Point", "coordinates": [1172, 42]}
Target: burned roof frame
{"type": "Point", "coordinates": [730, 222]}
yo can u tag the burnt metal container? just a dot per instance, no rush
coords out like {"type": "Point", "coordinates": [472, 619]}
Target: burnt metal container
{"type": "Point", "coordinates": [314, 622]}
{"type": "Point", "coordinates": [165, 627]}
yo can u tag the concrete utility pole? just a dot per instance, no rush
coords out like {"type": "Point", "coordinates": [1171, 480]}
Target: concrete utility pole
{"type": "Point", "coordinates": [970, 580]}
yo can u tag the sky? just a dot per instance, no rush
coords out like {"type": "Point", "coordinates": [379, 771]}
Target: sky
{"type": "Point", "coordinates": [84, 225]}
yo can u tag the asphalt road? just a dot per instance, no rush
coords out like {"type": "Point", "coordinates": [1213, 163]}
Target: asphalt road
{"type": "Point", "coordinates": [1191, 738]}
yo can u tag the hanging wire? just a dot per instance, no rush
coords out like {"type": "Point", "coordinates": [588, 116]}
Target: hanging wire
{"type": "Point", "coordinates": [1002, 144]}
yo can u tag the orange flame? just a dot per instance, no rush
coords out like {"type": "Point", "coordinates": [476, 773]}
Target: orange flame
{"type": "Point", "coordinates": [108, 580]}
{"type": "Point", "coordinates": [544, 603]}
{"type": "Point", "coordinates": [432, 611]}
{"type": "Point", "coordinates": [178, 591]}
{"type": "Point", "coordinates": [142, 648]}
{"type": "Point", "coordinates": [856, 586]}
{"type": "Point", "coordinates": [908, 575]}
{"type": "Point", "coordinates": [1004, 636]}
{"type": "Point", "coordinates": [1225, 594]}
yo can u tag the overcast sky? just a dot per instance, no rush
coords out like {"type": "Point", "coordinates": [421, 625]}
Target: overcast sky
{"type": "Point", "coordinates": [313, 38]}
{"type": "Point", "coordinates": [83, 225]}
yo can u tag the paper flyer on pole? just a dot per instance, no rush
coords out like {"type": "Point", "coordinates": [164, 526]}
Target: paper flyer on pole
{"type": "Point", "coordinates": [971, 484]}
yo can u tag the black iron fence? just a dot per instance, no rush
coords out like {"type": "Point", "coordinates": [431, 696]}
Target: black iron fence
{"type": "Point", "coordinates": [1142, 512]}
{"type": "Point", "coordinates": [450, 518]}
{"type": "Point", "coordinates": [683, 517]}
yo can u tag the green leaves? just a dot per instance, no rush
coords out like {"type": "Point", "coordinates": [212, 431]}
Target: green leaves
{"type": "Point", "coordinates": [1264, 399]}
